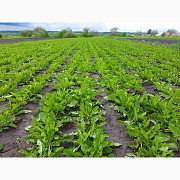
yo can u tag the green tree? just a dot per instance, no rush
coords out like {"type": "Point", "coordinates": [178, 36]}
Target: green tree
{"type": "Point", "coordinates": [1, 35]}
{"type": "Point", "coordinates": [154, 32]}
{"type": "Point", "coordinates": [172, 31]}
{"type": "Point", "coordinates": [163, 34]}
{"type": "Point", "coordinates": [149, 31]}
{"type": "Point", "coordinates": [124, 34]}
{"type": "Point", "coordinates": [26, 33]}
{"type": "Point", "coordinates": [66, 33]}
{"type": "Point", "coordinates": [40, 32]}
{"type": "Point", "coordinates": [114, 31]}
{"type": "Point", "coordinates": [61, 33]}
{"type": "Point", "coordinates": [36, 29]}
{"type": "Point", "coordinates": [85, 32]}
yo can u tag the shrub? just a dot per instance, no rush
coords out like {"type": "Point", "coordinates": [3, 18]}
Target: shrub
{"type": "Point", "coordinates": [61, 33]}
{"type": "Point", "coordinates": [66, 33]}
{"type": "Point", "coordinates": [1, 35]}
{"type": "Point", "coordinates": [26, 33]}
{"type": "Point", "coordinates": [124, 34]}
{"type": "Point", "coordinates": [41, 34]}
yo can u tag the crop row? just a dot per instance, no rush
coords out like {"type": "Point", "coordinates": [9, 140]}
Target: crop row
{"type": "Point", "coordinates": [124, 68]}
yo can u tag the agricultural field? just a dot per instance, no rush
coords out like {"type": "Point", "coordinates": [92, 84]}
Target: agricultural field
{"type": "Point", "coordinates": [89, 97]}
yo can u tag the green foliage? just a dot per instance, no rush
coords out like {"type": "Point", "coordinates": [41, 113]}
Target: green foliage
{"type": "Point", "coordinates": [1, 35]}
{"type": "Point", "coordinates": [175, 46]}
{"type": "Point", "coordinates": [124, 34]}
{"type": "Point", "coordinates": [26, 33]}
{"type": "Point", "coordinates": [79, 68]}
{"type": "Point", "coordinates": [66, 33]}
{"type": "Point", "coordinates": [41, 34]}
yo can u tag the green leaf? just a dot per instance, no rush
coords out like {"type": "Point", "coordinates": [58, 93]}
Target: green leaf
{"type": "Point", "coordinates": [58, 152]}
{"type": "Point", "coordinates": [67, 138]}
{"type": "Point", "coordinates": [175, 131]}
{"type": "Point", "coordinates": [73, 103]}
{"type": "Point", "coordinates": [12, 125]}
{"type": "Point", "coordinates": [117, 144]}
{"type": "Point", "coordinates": [28, 127]}
{"type": "Point", "coordinates": [173, 146]}
{"type": "Point", "coordinates": [1, 147]}
{"type": "Point", "coordinates": [70, 153]}
{"type": "Point", "coordinates": [107, 98]}
{"type": "Point", "coordinates": [162, 137]}
{"type": "Point", "coordinates": [111, 155]}
{"type": "Point", "coordinates": [164, 149]}
{"type": "Point", "coordinates": [24, 112]}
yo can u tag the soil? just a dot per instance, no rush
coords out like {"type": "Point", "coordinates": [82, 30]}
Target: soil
{"type": "Point", "coordinates": [8, 137]}
{"type": "Point", "coordinates": [117, 133]}
{"type": "Point", "coordinates": [167, 42]}
{"type": "Point", "coordinates": [12, 41]}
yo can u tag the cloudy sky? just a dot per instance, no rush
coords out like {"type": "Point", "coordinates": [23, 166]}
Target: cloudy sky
{"type": "Point", "coordinates": [100, 15]}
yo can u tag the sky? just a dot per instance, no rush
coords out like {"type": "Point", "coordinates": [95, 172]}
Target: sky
{"type": "Point", "coordinates": [100, 15]}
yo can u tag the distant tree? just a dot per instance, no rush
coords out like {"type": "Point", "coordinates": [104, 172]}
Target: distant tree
{"type": "Point", "coordinates": [124, 34]}
{"type": "Point", "coordinates": [149, 31]}
{"type": "Point", "coordinates": [66, 33]}
{"type": "Point", "coordinates": [6, 35]}
{"type": "Point", "coordinates": [36, 29]}
{"type": "Point", "coordinates": [26, 33]}
{"type": "Point", "coordinates": [101, 34]}
{"type": "Point", "coordinates": [94, 32]}
{"type": "Point", "coordinates": [45, 34]}
{"type": "Point", "coordinates": [1, 35]}
{"type": "Point", "coordinates": [61, 33]}
{"type": "Point", "coordinates": [86, 32]}
{"type": "Point", "coordinates": [172, 31]}
{"type": "Point", "coordinates": [114, 31]}
{"type": "Point", "coordinates": [40, 32]}
{"type": "Point", "coordinates": [154, 32]}
{"type": "Point", "coordinates": [163, 34]}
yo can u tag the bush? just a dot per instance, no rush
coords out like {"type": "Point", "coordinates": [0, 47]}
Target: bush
{"type": "Point", "coordinates": [66, 33]}
{"type": "Point", "coordinates": [124, 34]}
{"type": "Point", "coordinates": [61, 33]}
{"type": "Point", "coordinates": [41, 34]}
{"type": "Point", "coordinates": [26, 33]}
{"type": "Point", "coordinates": [1, 35]}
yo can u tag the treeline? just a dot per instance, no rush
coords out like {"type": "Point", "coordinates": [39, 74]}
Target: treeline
{"type": "Point", "coordinates": [40, 32]}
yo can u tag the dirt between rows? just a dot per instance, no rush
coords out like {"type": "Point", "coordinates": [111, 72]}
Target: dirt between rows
{"type": "Point", "coordinates": [12, 41]}
{"type": "Point", "coordinates": [155, 40]}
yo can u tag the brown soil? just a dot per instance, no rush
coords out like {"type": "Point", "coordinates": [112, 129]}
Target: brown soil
{"type": "Point", "coordinates": [117, 133]}
{"type": "Point", "coordinates": [12, 41]}
{"type": "Point", "coordinates": [8, 137]}
{"type": "Point", "coordinates": [155, 40]}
